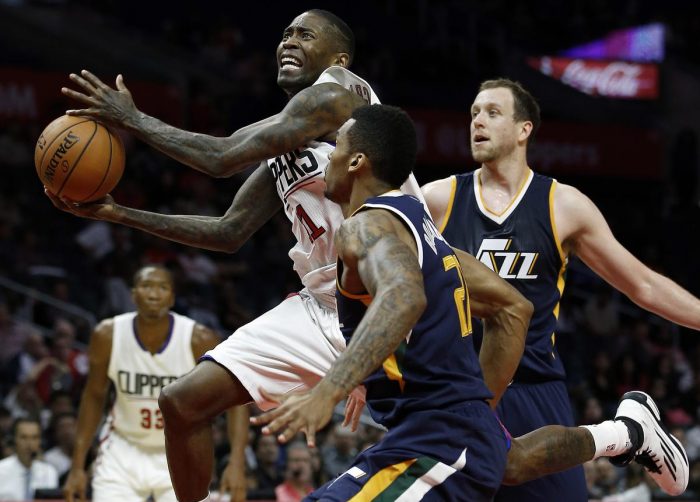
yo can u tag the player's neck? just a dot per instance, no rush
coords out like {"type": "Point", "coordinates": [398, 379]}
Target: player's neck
{"type": "Point", "coordinates": [505, 175]}
{"type": "Point", "coordinates": [361, 191]}
{"type": "Point", "coordinates": [152, 332]}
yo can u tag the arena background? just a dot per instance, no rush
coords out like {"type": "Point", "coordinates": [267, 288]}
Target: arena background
{"type": "Point", "coordinates": [626, 135]}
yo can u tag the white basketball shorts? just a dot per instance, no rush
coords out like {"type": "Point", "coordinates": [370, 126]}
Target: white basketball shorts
{"type": "Point", "coordinates": [126, 473]}
{"type": "Point", "coordinates": [289, 348]}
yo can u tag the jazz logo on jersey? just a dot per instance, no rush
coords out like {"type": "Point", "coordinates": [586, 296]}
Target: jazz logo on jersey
{"type": "Point", "coordinates": [495, 255]}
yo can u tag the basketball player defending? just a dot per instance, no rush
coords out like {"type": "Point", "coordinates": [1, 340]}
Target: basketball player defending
{"type": "Point", "coordinates": [140, 353]}
{"type": "Point", "coordinates": [524, 226]}
{"type": "Point", "coordinates": [293, 345]}
{"type": "Point", "coordinates": [404, 306]}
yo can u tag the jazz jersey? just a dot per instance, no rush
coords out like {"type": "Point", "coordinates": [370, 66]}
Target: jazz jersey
{"type": "Point", "coordinates": [521, 245]}
{"type": "Point", "coordinates": [299, 177]}
{"type": "Point", "coordinates": [436, 366]}
{"type": "Point", "coordinates": [139, 376]}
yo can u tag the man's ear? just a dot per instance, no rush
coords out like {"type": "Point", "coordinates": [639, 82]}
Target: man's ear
{"type": "Point", "coordinates": [342, 59]}
{"type": "Point", "coordinates": [357, 162]}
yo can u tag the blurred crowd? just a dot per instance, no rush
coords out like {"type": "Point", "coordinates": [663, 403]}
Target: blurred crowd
{"type": "Point", "coordinates": [608, 345]}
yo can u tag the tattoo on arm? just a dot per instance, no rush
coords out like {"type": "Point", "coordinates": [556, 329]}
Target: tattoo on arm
{"type": "Point", "coordinates": [390, 272]}
{"type": "Point", "coordinates": [312, 113]}
{"type": "Point", "coordinates": [255, 203]}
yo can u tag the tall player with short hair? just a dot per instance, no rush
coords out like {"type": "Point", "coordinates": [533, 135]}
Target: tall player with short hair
{"type": "Point", "coordinates": [140, 353]}
{"type": "Point", "coordinates": [293, 345]}
{"type": "Point", "coordinates": [524, 226]}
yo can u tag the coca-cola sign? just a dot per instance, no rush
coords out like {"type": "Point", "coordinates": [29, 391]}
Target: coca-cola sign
{"type": "Point", "coordinates": [613, 79]}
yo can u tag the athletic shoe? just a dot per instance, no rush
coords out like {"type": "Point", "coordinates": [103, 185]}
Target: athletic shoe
{"type": "Point", "coordinates": [661, 454]}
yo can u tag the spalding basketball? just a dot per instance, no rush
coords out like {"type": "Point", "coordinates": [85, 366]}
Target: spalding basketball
{"type": "Point", "coordinates": [79, 159]}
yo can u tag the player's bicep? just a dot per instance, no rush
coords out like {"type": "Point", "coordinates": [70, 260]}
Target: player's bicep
{"type": "Point", "coordinates": [99, 354]}
{"type": "Point", "coordinates": [389, 255]}
{"type": "Point", "coordinates": [438, 197]}
{"type": "Point", "coordinates": [592, 240]}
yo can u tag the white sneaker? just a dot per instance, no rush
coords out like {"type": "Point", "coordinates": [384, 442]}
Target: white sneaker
{"type": "Point", "coordinates": [661, 454]}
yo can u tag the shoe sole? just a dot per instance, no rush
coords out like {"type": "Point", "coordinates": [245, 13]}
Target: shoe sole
{"type": "Point", "coordinates": [645, 400]}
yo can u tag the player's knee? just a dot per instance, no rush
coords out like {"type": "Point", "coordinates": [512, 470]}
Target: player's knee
{"type": "Point", "coordinates": [173, 406]}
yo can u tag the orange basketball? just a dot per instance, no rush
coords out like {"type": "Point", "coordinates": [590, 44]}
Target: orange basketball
{"type": "Point", "coordinates": [79, 158]}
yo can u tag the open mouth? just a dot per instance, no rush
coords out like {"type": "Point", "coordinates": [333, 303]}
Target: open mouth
{"type": "Point", "coordinates": [479, 138]}
{"type": "Point", "coordinates": [288, 61]}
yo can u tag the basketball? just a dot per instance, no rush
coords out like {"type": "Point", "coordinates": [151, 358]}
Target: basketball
{"type": "Point", "coordinates": [79, 159]}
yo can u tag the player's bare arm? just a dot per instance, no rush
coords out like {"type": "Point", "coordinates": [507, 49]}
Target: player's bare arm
{"type": "Point", "coordinates": [254, 204]}
{"type": "Point", "coordinates": [91, 406]}
{"type": "Point", "coordinates": [506, 315]}
{"type": "Point", "coordinates": [437, 196]}
{"type": "Point", "coordinates": [312, 113]}
{"type": "Point", "coordinates": [583, 231]}
{"type": "Point", "coordinates": [380, 258]}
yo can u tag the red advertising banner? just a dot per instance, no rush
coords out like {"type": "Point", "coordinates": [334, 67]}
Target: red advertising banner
{"type": "Point", "coordinates": [560, 147]}
{"type": "Point", "coordinates": [612, 79]}
{"type": "Point", "coordinates": [35, 96]}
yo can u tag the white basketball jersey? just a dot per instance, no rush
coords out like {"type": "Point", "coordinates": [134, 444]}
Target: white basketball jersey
{"type": "Point", "coordinates": [299, 177]}
{"type": "Point", "coordinates": [139, 376]}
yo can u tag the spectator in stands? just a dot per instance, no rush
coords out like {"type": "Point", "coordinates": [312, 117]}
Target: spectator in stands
{"type": "Point", "coordinates": [23, 473]}
{"type": "Point", "coordinates": [63, 429]}
{"type": "Point", "coordinates": [340, 453]}
{"type": "Point", "coordinates": [297, 474]}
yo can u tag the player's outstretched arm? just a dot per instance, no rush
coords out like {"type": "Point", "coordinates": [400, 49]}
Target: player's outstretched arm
{"type": "Point", "coordinates": [586, 233]}
{"type": "Point", "coordinates": [506, 314]}
{"type": "Point", "coordinates": [379, 256]}
{"type": "Point", "coordinates": [254, 204]}
{"type": "Point", "coordinates": [312, 113]}
{"type": "Point", "coordinates": [91, 405]}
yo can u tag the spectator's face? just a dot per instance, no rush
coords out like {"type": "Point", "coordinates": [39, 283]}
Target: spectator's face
{"type": "Point", "coordinates": [344, 441]}
{"type": "Point", "coordinates": [268, 450]}
{"type": "Point", "coordinates": [153, 293]}
{"type": "Point", "coordinates": [66, 429]}
{"type": "Point", "coordinates": [27, 441]}
{"type": "Point", "coordinates": [36, 347]}
{"type": "Point", "coordinates": [299, 465]}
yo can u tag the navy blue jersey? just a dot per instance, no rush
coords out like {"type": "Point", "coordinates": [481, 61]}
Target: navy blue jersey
{"type": "Point", "coordinates": [436, 366]}
{"type": "Point", "coordinates": [522, 247]}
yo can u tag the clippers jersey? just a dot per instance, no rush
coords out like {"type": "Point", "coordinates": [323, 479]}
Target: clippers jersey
{"type": "Point", "coordinates": [436, 366]}
{"type": "Point", "coordinates": [299, 178]}
{"type": "Point", "coordinates": [139, 376]}
{"type": "Point", "coordinates": [522, 247]}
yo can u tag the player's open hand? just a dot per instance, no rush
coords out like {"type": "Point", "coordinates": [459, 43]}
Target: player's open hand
{"type": "Point", "coordinates": [233, 481]}
{"type": "Point", "coordinates": [306, 412]}
{"type": "Point", "coordinates": [76, 484]}
{"type": "Point", "coordinates": [112, 106]}
{"type": "Point", "coordinates": [100, 209]}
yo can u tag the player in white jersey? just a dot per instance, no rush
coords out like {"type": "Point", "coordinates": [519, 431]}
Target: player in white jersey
{"type": "Point", "coordinates": [293, 345]}
{"type": "Point", "coordinates": [140, 353]}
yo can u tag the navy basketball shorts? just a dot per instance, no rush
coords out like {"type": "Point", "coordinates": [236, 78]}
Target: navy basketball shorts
{"type": "Point", "coordinates": [524, 408]}
{"type": "Point", "coordinates": [455, 455]}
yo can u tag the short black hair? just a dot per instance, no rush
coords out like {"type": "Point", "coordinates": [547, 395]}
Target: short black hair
{"type": "Point", "coordinates": [387, 136]}
{"type": "Point", "coordinates": [25, 420]}
{"type": "Point", "coordinates": [345, 38]}
{"type": "Point", "coordinates": [524, 104]}
{"type": "Point", "coordinates": [137, 274]}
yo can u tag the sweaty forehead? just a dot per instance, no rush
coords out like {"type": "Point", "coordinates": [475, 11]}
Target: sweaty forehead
{"type": "Point", "coordinates": [308, 21]}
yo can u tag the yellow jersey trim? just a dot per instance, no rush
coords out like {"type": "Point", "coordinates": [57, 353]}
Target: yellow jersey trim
{"type": "Point", "coordinates": [562, 256]}
{"type": "Point", "coordinates": [391, 368]}
{"type": "Point", "coordinates": [448, 212]}
{"type": "Point", "coordinates": [512, 201]}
